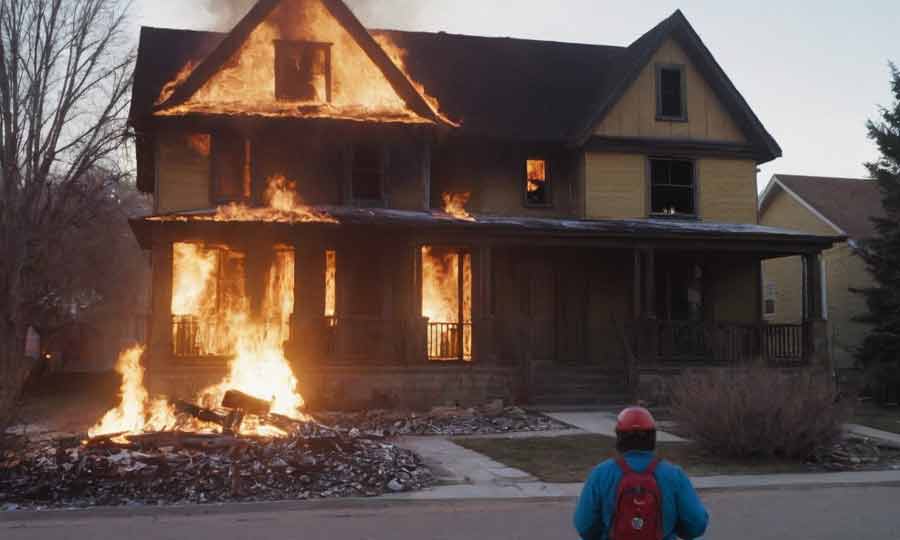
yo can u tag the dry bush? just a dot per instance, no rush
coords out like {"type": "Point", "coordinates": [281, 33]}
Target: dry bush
{"type": "Point", "coordinates": [758, 412]}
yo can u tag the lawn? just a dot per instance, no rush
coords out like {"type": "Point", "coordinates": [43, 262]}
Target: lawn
{"type": "Point", "coordinates": [883, 418]}
{"type": "Point", "coordinates": [571, 458]}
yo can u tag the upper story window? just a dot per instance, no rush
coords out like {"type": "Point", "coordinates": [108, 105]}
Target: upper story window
{"type": "Point", "coordinates": [367, 182]}
{"type": "Point", "coordinates": [302, 71]}
{"type": "Point", "coordinates": [537, 183]}
{"type": "Point", "coordinates": [672, 187]}
{"type": "Point", "coordinates": [670, 92]}
{"type": "Point", "coordinates": [231, 168]}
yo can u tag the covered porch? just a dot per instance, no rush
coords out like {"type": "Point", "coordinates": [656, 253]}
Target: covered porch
{"type": "Point", "coordinates": [527, 302]}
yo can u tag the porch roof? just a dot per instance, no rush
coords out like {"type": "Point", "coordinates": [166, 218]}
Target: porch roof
{"type": "Point", "coordinates": [423, 223]}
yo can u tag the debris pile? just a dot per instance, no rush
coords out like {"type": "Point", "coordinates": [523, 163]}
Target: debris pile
{"type": "Point", "coordinates": [856, 453]}
{"type": "Point", "coordinates": [312, 461]}
{"type": "Point", "coordinates": [492, 417]}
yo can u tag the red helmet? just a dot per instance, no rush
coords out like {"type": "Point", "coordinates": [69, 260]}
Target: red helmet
{"type": "Point", "coordinates": [635, 419]}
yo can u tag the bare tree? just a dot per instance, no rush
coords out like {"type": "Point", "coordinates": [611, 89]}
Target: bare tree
{"type": "Point", "coordinates": [65, 75]}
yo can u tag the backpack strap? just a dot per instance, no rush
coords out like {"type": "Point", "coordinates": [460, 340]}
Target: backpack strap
{"type": "Point", "coordinates": [652, 467]}
{"type": "Point", "coordinates": [620, 461]}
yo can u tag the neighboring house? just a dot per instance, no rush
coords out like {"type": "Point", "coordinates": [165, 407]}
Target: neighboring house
{"type": "Point", "coordinates": [821, 205]}
{"type": "Point", "coordinates": [612, 191]}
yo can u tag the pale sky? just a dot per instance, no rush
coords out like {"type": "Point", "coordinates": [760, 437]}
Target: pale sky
{"type": "Point", "coordinates": [813, 71]}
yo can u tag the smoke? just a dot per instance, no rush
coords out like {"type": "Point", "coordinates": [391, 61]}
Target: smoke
{"type": "Point", "coordinates": [373, 13]}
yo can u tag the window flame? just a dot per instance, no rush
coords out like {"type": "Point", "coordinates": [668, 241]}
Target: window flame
{"type": "Point", "coordinates": [455, 205]}
{"type": "Point", "coordinates": [441, 298]}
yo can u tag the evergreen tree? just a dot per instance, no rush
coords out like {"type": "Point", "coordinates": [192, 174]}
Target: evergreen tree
{"type": "Point", "coordinates": [882, 252]}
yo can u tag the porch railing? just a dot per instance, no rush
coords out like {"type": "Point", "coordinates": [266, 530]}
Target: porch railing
{"type": "Point", "coordinates": [449, 341]}
{"type": "Point", "coordinates": [692, 342]}
{"type": "Point", "coordinates": [196, 336]}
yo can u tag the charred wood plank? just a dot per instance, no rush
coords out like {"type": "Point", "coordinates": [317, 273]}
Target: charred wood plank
{"type": "Point", "coordinates": [235, 399]}
{"type": "Point", "coordinates": [230, 422]}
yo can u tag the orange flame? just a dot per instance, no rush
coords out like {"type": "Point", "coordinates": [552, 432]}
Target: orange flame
{"type": "Point", "coordinates": [247, 83]}
{"type": "Point", "coordinates": [136, 412]}
{"type": "Point", "coordinates": [330, 286]}
{"type": "Point", "coordinates": [398, 55]}
{"type": "Point", "coordinates": [441, 299]}
{"type": "Point", "coordinates": [537, 173]}
{"type": "Point", "coordinates": [169, 88]}
{"type": "Point", "coordinates": [284, 206]}
{"type": "Point", "coordinates": [455, 205]}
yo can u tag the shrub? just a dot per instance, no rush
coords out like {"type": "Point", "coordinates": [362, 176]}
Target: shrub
{"type": "Point", "coordinates": [758, 412]}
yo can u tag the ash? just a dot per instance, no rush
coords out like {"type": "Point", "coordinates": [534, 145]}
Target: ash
{"type": "Point", "coordinates": [313, 462]}
{"type": "Point", "coordinates": [489, 418]}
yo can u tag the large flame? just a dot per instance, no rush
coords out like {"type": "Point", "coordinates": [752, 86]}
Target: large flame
{"type": "Point", "coordinates": [169, 88]}
{"type": "Point", "coordinates": [246, 84]}
{"type": "Point", "coordinates": [441, 282]}
{"type": "Point", "coordinates": [455, 205]}
{"type": "Point", "coordinates": [135, 412]}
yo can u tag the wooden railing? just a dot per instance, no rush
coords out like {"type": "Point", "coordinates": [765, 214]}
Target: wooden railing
{"type": "Point", "coordinates": [449, 341]}
{"type": "Point", "coordinates": [692, 342]}
{"type": "Point", "coordinates": [196, 336]}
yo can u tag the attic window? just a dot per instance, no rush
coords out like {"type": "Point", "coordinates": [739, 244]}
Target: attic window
{"type": "Point", "coordinates": [302, 71]}
{"type": "Point", "coordinates": [537, 183]}
{"type": "Point", "coordinates": [670, 93]}
{"type": "Point", "coordinates": [672, 187]}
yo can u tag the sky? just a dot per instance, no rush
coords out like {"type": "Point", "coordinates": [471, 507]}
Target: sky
{"type": "Point", "coordinates": [813, 71]}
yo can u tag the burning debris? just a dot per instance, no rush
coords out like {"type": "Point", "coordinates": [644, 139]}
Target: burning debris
{"type": "Point", "coordinates": [311, 462]}
{"type": "Point", "coordinates": [455, 205]}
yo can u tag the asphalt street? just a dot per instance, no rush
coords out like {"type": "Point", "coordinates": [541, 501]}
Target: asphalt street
{"type": "Point", "coordinates": [860, 513]}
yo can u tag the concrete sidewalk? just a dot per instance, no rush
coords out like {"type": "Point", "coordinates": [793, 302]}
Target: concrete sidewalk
{"type": "Point", "coordinates": [601, 423]}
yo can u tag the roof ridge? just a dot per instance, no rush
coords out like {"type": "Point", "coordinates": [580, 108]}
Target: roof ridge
{"type": "Point", "coordinates": [498, 38]}
{"type": "Point", "coordinates": [818, 177]}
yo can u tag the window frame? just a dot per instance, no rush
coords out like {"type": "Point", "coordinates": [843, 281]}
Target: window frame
{"type": "Point", "coordinates": [215, 192]}
{"type": "Point", "coordinates": [681, 69]}
{"type": "Point", "coordinates": [382, 153]}
{"type": "Point", "coordinates": [695, 187]}
{"type": "Point", "coordinates": [325, 46]}
{"type": "Point", "coordinates": [770, 294]}
{"type": "Point", "coordinates": [548, 182]}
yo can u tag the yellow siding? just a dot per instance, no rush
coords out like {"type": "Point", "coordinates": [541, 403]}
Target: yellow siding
{"type": "Point", "coordinates": [784, 211]}
{"type": "Point", "coordinates": [786, 274]}
{"type": "Point", "coordinates": [182, 173]}
{"type": "Point", "coordinates": [635, 113]}
{"type": "Point", "coordinates": [615, 185]}
{"type": "Point", "coordinates": [844, 271]}
{"type": "Point", "coordinates": [737, 292]}
{"type": "Point", "coordinates": [727, 190]}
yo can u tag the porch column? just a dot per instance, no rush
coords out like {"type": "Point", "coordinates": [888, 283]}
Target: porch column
{"type": "Point", "coordinates": [815, 326]}
{"type": "Point", "coordinates": [482, 315]}
{"type": "Point", "coordinates": [160, 336]}
{"type": "Point", "coordinates": [645, 304]}
{"type": "Point", "coordinates": [309, 302]}
{"type": "Point", "coordinates": [417, 331]}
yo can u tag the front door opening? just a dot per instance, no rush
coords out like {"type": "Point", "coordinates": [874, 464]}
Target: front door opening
{"type": "Point", "coordinates": [447, 302]}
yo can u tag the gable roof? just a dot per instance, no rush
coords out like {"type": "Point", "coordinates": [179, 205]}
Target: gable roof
{"type": "Point", "coordinates": [639, 54]}
{"type": "Point", "coordinates": [514, 89]}
{"type": "Point", "coordinates": [232, 42]}
{"type": "Point", "coordinates": [845, 204]}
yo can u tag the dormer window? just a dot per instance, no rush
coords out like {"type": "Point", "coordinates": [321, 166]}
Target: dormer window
{"type": "Point", "coordinates": [302, 71]}
{"type": "Point", "coordinates": [670, 93]}
{"type": "Point", "coordinates": [537, 183]}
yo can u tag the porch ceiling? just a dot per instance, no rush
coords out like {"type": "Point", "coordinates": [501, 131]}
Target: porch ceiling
{"type": "Point", "coordinates": [663, 233]}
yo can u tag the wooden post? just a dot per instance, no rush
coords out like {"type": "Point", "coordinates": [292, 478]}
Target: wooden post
{"type": "Point", "coordinates": [461, 290]}
{"type": "Point", "coordinates": [482, 317]}
{"type": "Point", "coordinates": [815, 327]}
{"type": "Point", "coordinates": [160, 334]}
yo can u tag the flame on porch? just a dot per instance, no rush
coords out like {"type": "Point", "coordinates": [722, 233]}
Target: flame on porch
{"type": "Point", "coordinates": [447, 302]}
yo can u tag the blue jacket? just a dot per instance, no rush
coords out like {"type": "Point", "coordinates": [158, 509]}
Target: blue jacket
{"type": "Point", "coordinates": [683, 513]}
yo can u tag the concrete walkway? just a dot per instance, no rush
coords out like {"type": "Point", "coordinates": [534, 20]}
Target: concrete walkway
{"type": "Point", "coordinates": [602, 423]}
{"type": "Point", "coordinates": [886, 437]}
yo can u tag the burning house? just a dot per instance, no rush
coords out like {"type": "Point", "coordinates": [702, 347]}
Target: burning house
{"type": "Point", "coordinates": [374, 218]}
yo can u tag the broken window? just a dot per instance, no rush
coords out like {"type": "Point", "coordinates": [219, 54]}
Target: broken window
{"type": "Point", "coordinates": [537, 184]}
{"type": "Point", "coordinates": [672, 190]}
{"type": "Point", "coordinates": [367, 173]}
{"type": "Point", "coordinates": [231, 168]}
{"type": "Point", "coordinates": [670, 103]}
{"type": "Point", "coordinates": [447, 302]}
{"type": "Point", "coordinates": [302, 71]}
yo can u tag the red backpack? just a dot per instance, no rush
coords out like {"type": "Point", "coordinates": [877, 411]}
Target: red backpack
{"type": "Point", "coordinates": [638, 505]}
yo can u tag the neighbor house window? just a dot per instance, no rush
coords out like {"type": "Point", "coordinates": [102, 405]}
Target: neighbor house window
{"type": "Point", "coordinates": [537, 183]}
{"type": "Point", "coordinates": [231, 168]}
{"type": "Point", "coordinates": [771, 292]}
{"type": "Point", "coordinates": [302, 71]}
{"type": "Point", "coordinates": [367, 173]}
{"type": "Point", "coordinates": [670, 93]}
{"type": "Point", "coordinates": [672, 187]}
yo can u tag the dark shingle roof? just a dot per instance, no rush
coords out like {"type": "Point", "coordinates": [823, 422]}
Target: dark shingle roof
{"type": "Point", "coordinates": [849, 203]}
{"type": "Point", "coordinates": [514, 89]}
